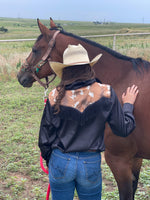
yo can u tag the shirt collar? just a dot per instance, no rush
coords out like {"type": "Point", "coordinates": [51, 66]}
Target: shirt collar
{"type": "Point", "coordinates": [78, 84]}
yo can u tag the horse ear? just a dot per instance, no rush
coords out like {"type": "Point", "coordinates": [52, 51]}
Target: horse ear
{"type": "Point", "coordinates": [44, 30]}
{"type": "Point", "coordinates": [52, 24]}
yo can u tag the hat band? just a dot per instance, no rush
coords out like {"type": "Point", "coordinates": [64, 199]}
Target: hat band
{"type": "Point", "coordinates": [82, 62]}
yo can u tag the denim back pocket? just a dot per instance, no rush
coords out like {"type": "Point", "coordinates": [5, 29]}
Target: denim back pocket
{"type": "Point", "coordinates": [92, 170]}
{"type": "Point", "coordinates": [58, 166]}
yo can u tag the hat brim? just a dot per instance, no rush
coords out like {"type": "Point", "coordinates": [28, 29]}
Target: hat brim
{"type": "Point", "coordinates": [58, 67]}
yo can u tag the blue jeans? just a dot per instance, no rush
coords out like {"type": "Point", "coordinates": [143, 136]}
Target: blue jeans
{"type": "Point", "coordinates": [75, 170]}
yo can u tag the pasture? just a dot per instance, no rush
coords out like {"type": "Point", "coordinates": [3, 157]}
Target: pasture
{"type": "Point", "coordinates": [21, 108]}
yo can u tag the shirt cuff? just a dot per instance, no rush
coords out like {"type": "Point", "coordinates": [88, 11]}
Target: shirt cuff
{"type": "Point", "coordinates": [127, 107]}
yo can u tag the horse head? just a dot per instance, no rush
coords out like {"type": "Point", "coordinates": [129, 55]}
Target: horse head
{"type": "Point", "coordinates": [37, 65]}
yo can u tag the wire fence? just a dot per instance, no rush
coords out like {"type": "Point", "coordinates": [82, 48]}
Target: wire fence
{"type": "Point", "coordinates": [14, 51]}
{"type": "Point", "coordinates": [112, 36]}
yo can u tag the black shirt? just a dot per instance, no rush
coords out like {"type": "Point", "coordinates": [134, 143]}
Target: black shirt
{"type": "Point", "coordinates": [80, 124]}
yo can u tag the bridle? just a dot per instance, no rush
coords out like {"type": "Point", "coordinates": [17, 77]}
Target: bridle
{"type": "Point", "coordinates": [46, 58]}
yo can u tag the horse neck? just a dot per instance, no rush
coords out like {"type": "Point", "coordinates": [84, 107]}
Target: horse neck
{"type": "Point", "coordinates": [110, 69]}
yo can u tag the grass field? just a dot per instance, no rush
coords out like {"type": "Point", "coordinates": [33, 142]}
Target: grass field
{"type": "Point", "coordinates": [21, 110]}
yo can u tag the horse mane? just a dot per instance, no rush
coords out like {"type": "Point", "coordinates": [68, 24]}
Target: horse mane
{"type": "Point", "coordinates": [138, 63]}
{"type": "Point", "coordinates": [39, 37]}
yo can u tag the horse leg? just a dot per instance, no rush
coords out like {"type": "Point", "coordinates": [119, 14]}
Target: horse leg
{"type": "Point", "coordinates": [136, 167]}
{"type": "Point", "coordinates": [121, 168]}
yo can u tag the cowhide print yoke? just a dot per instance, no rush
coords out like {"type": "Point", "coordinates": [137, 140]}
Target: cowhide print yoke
{"type": "Point", "coordinates": [81, 98]}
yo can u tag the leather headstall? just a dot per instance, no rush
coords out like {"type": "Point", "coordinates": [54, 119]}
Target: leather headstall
{"type": "Point", "coordinates": [46, 58]}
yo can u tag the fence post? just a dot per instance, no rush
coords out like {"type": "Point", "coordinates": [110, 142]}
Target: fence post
{"type": "Point", "coordinates": [114, 42]}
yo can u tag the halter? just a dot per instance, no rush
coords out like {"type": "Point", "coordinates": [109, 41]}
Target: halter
{"type": "Point", "coordinates": [46, 58]}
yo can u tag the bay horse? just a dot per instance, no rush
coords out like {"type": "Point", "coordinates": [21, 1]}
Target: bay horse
{"type": "Point", "coordinates": [123, 155]}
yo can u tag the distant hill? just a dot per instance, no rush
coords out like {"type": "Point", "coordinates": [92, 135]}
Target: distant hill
{"type": "Point", "coordinates": [28, 28]}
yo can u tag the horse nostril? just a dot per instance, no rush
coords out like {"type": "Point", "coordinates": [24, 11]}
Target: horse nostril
{"type": "Point", "coordinates": [25, 80]}
{"type": "Point", "coordinates": [26, 83]}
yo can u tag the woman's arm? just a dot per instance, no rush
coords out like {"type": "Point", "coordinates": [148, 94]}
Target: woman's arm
{"type": "Point", "coordinates": [121, 120]}
{"type": "Point", "coordinates": [47, 133]}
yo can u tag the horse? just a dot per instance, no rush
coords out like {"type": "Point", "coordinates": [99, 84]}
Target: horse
{"type": "Point", "coordinates": [123, 155]}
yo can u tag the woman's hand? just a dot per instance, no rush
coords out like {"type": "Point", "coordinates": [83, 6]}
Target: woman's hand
{"type": "Point", "coordinates": [130, 95]}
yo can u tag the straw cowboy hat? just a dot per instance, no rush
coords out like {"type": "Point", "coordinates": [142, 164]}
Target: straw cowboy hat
{"type": "Point", "coordinates": [73, 55]}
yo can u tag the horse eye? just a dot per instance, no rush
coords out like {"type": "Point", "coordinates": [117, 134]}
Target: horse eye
{"type": "Point", "coordinates": [34, 50]}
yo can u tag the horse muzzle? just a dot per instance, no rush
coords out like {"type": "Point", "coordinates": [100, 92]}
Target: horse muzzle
{"type": "Point", "coordinates": [25, 79]}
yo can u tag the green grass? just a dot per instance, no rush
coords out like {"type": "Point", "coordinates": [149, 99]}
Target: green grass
{"type": "Point", "coordinates": [21, 110]}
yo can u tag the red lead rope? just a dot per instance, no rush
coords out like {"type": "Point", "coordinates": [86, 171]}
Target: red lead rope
{"type": "Point", "coordinates": [45, 100]}
{"type": "Point", "coordinates": [43, 168]}
{"type": "Point", "coordinates": [46, 171]}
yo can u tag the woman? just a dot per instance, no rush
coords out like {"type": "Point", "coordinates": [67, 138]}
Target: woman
{"type": "Point", "coordinates": [71, 135]}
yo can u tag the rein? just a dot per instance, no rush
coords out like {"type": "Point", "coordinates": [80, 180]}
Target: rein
{"type": "Point", "coordinates": [46, 58]}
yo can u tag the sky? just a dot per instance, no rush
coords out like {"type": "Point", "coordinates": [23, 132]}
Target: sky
{"type": "Point", "coordinates": [124, 11]}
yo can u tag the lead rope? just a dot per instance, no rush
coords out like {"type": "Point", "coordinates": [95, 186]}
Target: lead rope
{"type": "Point", "coordinates": [41, 159]}
{"type": "Point", "coordinates": [46, 171]}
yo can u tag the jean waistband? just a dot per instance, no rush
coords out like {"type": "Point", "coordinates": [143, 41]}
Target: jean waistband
{"type": "Point", "coordinates": [84, 154]}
